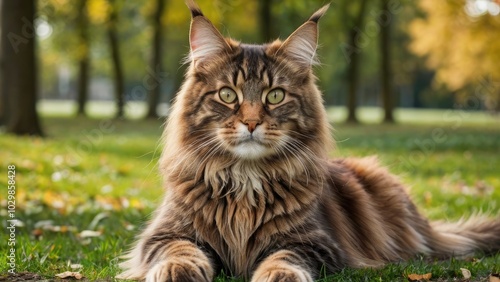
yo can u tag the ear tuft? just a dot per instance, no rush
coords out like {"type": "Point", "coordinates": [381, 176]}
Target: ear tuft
{"type": "Point", "coordinates": [319, 13]}
{"type": "Point", "coordinates": [194, 8]}
{"type": "Point", "coordinates": [301, 45]}
{"type": "Point", "coordinates": [204, 39]}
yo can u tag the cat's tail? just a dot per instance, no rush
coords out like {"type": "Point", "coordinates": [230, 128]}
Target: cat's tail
{"type": "Point", "coordinates": [465, 237]}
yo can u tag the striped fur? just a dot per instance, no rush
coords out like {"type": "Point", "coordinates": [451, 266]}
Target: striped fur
{"type": "Point", "coordinates": [249, 187]}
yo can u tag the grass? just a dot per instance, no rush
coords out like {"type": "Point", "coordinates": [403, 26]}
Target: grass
{"type": "Point", "coordinates": [101, 175]}
{"type": "Point", "coordinates": [86, 170]}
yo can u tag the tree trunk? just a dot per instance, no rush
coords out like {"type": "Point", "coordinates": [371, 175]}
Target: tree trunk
{"type": "Point", "coordinates": [2, 96]}
{"type": "Point", "coordinates": [353, 66]}
{"type": "Point", "coordinates": [117, 64]}
{"type": "Point", "coordinates": [84, 57]}
{"type": "Point", "coordinates": [19, 67]}
{"type": "Point", "coordinates": [265, 20]}
{"type": "Point", "coordinates": [352, 83]}
{"type": "Point", "coordinates": [155, 63]}
{"type": "Point", "coordinates": [385, 66]}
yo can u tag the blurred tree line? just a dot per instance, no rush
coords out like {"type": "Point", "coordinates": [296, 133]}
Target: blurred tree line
{"type": "Point", "coordinates": [388, 53]}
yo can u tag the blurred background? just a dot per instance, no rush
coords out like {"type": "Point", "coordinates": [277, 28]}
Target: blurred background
{"type": "Point", "coordinates": [122, 58]}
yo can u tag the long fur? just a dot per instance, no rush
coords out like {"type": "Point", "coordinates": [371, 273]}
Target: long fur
{"type": "Point", "coordinates": [287, 211]}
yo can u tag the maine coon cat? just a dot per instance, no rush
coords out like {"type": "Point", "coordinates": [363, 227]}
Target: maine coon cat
{"type": "Point", "coordinates": [250, 189]}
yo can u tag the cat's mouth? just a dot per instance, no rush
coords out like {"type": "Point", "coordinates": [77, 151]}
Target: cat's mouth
{"type": "Point", "coordinates": [249, 139]}
{"type": "Point", "coordinates": [251, 148]}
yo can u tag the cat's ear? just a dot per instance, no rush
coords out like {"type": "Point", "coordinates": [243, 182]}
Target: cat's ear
{"type": "Point", "coordinates": [205, 40]}
{"type": "Point", "coordinates": [301, 45]}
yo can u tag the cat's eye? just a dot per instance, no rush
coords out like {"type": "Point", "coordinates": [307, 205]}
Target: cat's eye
{"type": "Point", "coordinates": [275, 96]}
{"type": "Point", "coordinates": [227, 95]}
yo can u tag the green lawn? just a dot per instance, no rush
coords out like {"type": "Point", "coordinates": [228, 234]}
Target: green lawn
{"type": "Point", "coordinates": [101, 175]}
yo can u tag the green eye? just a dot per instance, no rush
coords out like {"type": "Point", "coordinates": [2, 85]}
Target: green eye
{"type": "Point", "coordinates": [227, 95]}
{"type": "Point", "coordinates": [275, 96]}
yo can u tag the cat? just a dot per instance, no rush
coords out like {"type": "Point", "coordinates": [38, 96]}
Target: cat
{"type": "Point", "coordinates": [249, 187]}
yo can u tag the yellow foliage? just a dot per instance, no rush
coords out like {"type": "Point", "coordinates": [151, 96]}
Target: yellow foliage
{"type": "Point", "coordinates": [98, 11]}
{"type": "Point", "coordinates": [461, 48]}
{"type": "Point", "coordinates": [60, 6]}
{"type": "Point", "coordinates": [148, 8]}
{"type": "Point", "coordinates": [176, 13]}
{"type": "Point", "coordinates": [81, 50]}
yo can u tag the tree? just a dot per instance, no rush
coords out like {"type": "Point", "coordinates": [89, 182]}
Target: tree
{"type": "Point", "coordinates": [19, 67]}
{"type": "Point", "coordinates": [265, 20]}
{"type": "Point", "coordinates": [83, 56]}
{"type": "Point", "coordinates": [156, 61]}
{"type": "Point", "coordinates": [353, 51]}
{"type": "Point", "coordinates": [115, 56]}
{"type": "Point", "coordinates": [385, 65]}
{"type": "Point", "coordinates": [3, 97]}
{"type": "Point", "coordinates": [457, 40]}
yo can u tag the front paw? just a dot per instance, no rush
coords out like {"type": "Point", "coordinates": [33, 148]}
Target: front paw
{"type": "Point", "coordinates": [178, 270]}
{"type": "Point", "coordinates": [282, 273]}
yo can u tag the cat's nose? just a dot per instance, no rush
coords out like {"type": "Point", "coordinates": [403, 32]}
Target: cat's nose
{"type": "Point", "coordinates": [252, 124]}
{"type": "Point", "coordinates": [251, 114]}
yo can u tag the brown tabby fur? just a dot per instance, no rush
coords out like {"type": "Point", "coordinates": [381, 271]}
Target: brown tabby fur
{"type": "Point", "coordinates": [274, 208]}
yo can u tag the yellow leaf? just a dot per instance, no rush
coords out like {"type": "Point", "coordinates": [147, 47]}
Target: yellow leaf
{"type": "Point", "coordinates": [109, 203]}
{"type": "Point", "coordinates": [136, 203]}
{"type": "Point", "coordinates": [495, 277]}
{"type": "Point", "coordinates": [55, 200]}
{"type": "Point", "coordinates": [420, 277]}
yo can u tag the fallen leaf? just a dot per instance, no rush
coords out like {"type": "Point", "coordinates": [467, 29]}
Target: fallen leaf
{"type": "Point", "coordinates": [466, 273]}
{"type": "Point", "coordinates": [108, 203]}
{"type": "Point", "coordinates": [136, 203]}
{"type": "Point", "coordinates": [37, 232]}
{"type": "Point", "coordinates": [44, 224]}
{"type": "Point", "coordinates": [106, 189]}
{"type": "Point", "coordinates": [125, 202]}
{"type": "Point", "coordinates": [97, 219]}
{"type": "Point", "coordinates": [54, 199]}
{"type": "Point", "coordinates": [495, 277]}
{"type": "Point", "coordinates": [129, 226]}
{"type": "Point", "coordinates": [483, 188]}
{"type": "Point", "coordinates": [420, 277]}
{"type": "Point", "coordinates": [89, 234]}
{"type": "Point", "coordinates": [69, 274]}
